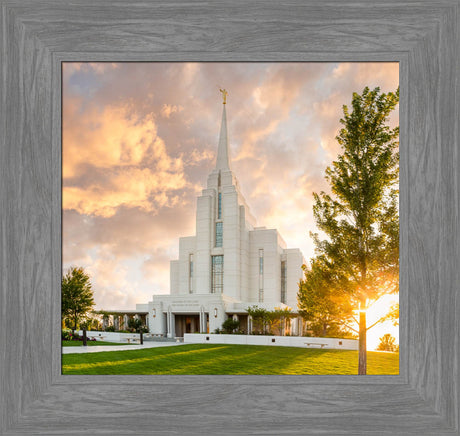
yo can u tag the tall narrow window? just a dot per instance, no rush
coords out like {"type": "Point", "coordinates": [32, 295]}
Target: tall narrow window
{"type": "Point", "coordinates": [219, 206]}
{"type": "Point", "coordinates": [261, 276]}
{"type": "Point", "coordinates": [217, 278]}
{"type": "Point", "coordinates": [283, 281]}
{"type": "Point", "coordinates": [190, 284]}
{"type": "Point", "coordinates": [219, 232]}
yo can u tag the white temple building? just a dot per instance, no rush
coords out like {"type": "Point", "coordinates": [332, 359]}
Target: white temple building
{"type": "Point", "coordinates": [228, 265]}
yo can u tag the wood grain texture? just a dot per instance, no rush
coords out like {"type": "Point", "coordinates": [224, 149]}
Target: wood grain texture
{"type": "Point", "coordinates": [38, 35]}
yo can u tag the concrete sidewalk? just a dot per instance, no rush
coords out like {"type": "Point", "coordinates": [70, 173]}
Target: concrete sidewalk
{"type": "Point", "coordinates": [121, 347]}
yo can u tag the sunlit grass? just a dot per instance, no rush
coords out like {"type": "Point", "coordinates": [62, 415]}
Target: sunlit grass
{"type": "Point", "coordinates": [227, 359]}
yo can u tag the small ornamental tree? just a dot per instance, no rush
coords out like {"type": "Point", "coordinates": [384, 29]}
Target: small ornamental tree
{"type": "Point", "coordinates": [278, 320]}
{"type": "Point", "coordinates": [269, 321]}
{"type": "Point", "coordinates": [259, 318]}
{"type": "Point", "coordinates": [90, 323]}
{"type": "Point", "coordinates": [137, 325]}
{"type": "Point", "coordinates": [77, 295]}
{"type": "Point", "coordinates": [272, 322]}
{"type": "Point", "coordinates": [387, 343]}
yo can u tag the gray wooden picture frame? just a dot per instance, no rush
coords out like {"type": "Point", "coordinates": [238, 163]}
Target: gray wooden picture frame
{"type": "Point", "coordinates": [36, 36]}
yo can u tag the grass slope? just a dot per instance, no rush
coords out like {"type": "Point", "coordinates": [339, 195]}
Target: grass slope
{"type": "Point", "coordinates": [227, 359]}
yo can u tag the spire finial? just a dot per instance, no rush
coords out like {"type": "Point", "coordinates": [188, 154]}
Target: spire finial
{"type": "Point", "coordinates": [223, 161]}
{"type": "Point", "coordinates": [224, 95]}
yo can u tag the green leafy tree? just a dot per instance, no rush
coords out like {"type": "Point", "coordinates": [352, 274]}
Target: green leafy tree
{"type": "Point", "coordinates": [272, 322]}
{"type": "Point", "coordinates": [77, 295]}
{"type": "Point", "coordinates": [393, 314]}
{"type": "Point", "coordinates": [360, 215]}
{"type": "Point", "coordinates": [90, 323]}
{"type": "Point", "coordinates": [259, 317]}
{"type": "Point", "coordinates": [278, 320]}
{"type": "Point", "coordinates": [269, 321]}
{"type": "Point", "coordinates": [387, 343]}
{"type": "Point", "coordinates": [322, 302]}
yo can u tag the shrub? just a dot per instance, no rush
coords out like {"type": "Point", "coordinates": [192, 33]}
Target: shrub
{"type": "Point", "coordinates": [136, 325]}
{"type": "Point", "coordinates": [230, 325]}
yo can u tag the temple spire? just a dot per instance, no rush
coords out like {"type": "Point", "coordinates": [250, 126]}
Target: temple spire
{"type": "Point", "coordinates": [223, 161]}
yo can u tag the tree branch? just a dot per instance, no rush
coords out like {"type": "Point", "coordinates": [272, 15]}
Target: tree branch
{"type": "Point", "coordinates": [354, 319]}
{"type": "Point", "coordinates": [383, 318]}
{"type": "Point", "coordinates": [344, 324]}
{"type": "Point", "coordinates": [351, 328]}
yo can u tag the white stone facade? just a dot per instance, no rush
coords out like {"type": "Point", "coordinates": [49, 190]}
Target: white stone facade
{"type": "Point", "coordinates": [228, 265]}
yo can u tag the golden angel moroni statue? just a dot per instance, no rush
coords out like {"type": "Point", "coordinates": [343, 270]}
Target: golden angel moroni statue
{"type": "Point", "coordinates": [224, 95]}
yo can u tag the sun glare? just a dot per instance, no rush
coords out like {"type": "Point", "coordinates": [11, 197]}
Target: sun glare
{"type": "Point", "coordinates": [380, 308]}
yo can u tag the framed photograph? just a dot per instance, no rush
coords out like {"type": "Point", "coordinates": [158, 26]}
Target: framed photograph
{"type": "Point", "coordinates": [189, 215]}
{"type": "Point", "coordinates": [39, 37]}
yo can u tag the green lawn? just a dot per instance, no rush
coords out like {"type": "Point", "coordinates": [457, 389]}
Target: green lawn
{"type": "Point", "coordinates": [227, 359]}
{"type": "Point", "coordinates": [89, 343]}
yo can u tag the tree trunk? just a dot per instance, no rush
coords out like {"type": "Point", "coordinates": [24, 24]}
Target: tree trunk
{"type": "Point", "coordinates": [362, 365]}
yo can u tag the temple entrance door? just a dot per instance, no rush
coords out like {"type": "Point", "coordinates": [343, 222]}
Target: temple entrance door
{"type": "Point", "coordinates": [189, 323]}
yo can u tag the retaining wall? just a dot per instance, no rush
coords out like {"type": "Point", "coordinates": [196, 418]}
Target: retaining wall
{"type": "Point", "coordinates": [283, 341]}
{"type": "Point", "coordinates": [109, 336]}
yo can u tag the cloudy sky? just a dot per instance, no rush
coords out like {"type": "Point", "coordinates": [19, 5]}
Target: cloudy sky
{"type": "Point", "coordinates": [139, 140]}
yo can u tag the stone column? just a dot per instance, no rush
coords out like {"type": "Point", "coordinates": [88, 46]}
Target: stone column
{"type": "Point", "coordinates": [202, 320]}
{"type": "Point", "coordinates": [125, 321]}
{"type": "Point", "coordinates": [205, 322]}
{"type": "Point", "coordinates": [171, 324]}
{"type": "Point", "coordinates": [293, 326]}
{"type": "Point", "coordinates": [168, 323]}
